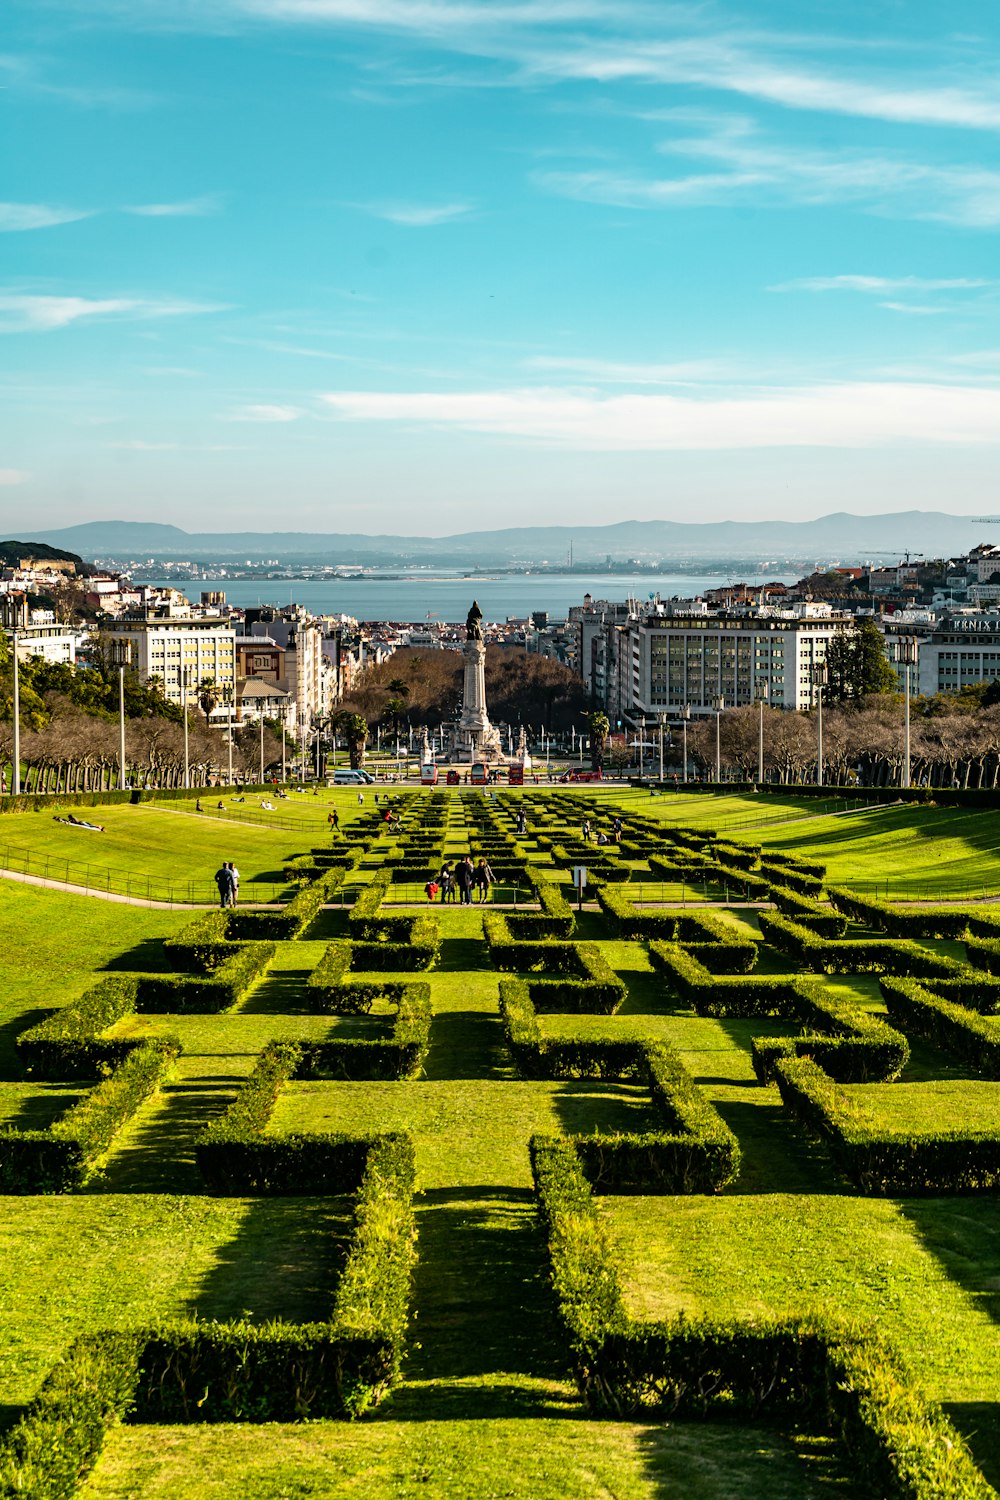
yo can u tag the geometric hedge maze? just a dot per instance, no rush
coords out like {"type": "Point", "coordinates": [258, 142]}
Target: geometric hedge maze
{"type": "Point", "coordinates": [461, 1097]}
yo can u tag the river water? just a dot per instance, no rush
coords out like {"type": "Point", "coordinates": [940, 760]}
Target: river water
{"type": "Point", "coordinates": [418, 597]}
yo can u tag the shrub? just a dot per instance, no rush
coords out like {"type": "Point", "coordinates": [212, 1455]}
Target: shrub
{"type": "Point", "coordinates": [857, 955]}
{"type": "Point", "coordinates": [894, 920]}
{"type": "Point", "coordinates": [899, 1447]}
{"type": "Point", "coordinates": [202, 945]}
{"type": "Point", "coordinates": [205, 995]}
{"type": "Point", "coordinates": [399, 1055]}
{"type": "Point", "coordinates": [62, 1157]}
{"type": "Point", "coordinates": [881, 1162]}
{"type": "Point", "coordinates": [555, 917]}
{"type": "Point", "coordinates": [68, 1045]}
{"type": "Point", "coordinates": [957, 1030]}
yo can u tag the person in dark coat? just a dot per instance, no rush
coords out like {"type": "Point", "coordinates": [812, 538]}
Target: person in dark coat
{"type": "Point", "coordinates": [463, 879]}
{"type": "Point", "coordinates": [483, 878]}
{"type": "Point", "coordinates": [226, 884]}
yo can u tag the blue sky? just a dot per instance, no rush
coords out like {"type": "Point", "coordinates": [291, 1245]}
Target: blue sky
{"type": "Point", "coordinates": [423, 266]}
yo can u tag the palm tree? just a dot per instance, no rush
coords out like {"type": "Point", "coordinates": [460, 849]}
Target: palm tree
{"type": "Point", "coordinates": [354, 728]}
{"type": "Point", "coordinates": [600, 729]}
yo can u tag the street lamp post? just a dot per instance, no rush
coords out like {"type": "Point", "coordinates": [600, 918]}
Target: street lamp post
{"type": "Point", "coordinates": [281, 730]}
{"type": "Point", "coordinates": [685, 719]}
{"type": "Point", "coordinates": [718, 704]}
{"type": "Point", "coordinates": [184, 713]}
{"type": "Point", "coordinates": [16, 768]}
{"type": "Point", "coordinates": [908, 657]}
{"type": "Point", "coordinates": [262, 743]}
{"type": "Point", "coordinates": [763, 693]}
{"type": "Point", "coordinates": [230, 696]}
{"type": "Point", "coordinates": [819, 678]}
{"type": "Point", "coordinates": [663, 719]}
{"type": "Point", "coordinates": [121, 728]}
{"type": "Point", "coordinates": [642, 747]}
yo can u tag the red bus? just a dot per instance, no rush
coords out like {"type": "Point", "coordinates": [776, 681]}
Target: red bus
{"type": "Point", "coordinates": [428, 775]}
{"type": "Point", "coordinates": [479, 775]}
{"type": "Point", "coordinates": [515, 775]}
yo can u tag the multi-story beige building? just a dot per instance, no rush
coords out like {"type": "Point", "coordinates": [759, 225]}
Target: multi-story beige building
{"type": "Point", "coordinates": [160, 645]}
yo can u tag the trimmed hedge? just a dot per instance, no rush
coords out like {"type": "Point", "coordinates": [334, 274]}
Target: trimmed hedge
{"type": "Point", "coordinates": [855, 1046]}
{"type": "Point", "coordinates": [959, 1031]}
{"type": "Point", "coordinates": [400, 1054]}
{"type": "Point", "coordinates": [236, 1159]}
{"type": "Point", "coordinates": [897, 921]}
{"type": "Point", "coordinates": [293, 919]}
{"type": "Point", "coordinates": [64, 1156]}
{"type": "Point", "coordinates": [555, 917]}
{"type": "Point", "coordinates": [202, 945]}
{"type": "Point", "coordinates": [899, 1447]}
{"type": "Point", "coordinates": [205, 994]}
{"type": "Point", "coordinates": [883, 1163]}
{"type": "Point", "coordinates": [67, 1044]}
{"type": "Point", "coordinates": [857, 955]}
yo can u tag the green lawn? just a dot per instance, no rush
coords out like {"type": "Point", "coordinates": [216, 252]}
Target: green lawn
{"type": "Point", "coordinates": [523, 1459]}
{"type": "Point", "coordinates": [486, 1408]}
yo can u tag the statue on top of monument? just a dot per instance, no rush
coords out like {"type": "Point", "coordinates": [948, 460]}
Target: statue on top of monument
{"type": "Point", "coordinates": [473, 624]}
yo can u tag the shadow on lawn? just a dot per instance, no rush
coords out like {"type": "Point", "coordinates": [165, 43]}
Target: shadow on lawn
{"type": "Point", "coordinates": [979, 1424]}
{"type": "Point", "coordinates": [283, 1261]}
{"type": "Point", "coordinates": [155, 1154]}
{"type": "Point", "coordinates": [10, 1063]}
{"type": "Point", "coordinates": [42, 1109]}
{"type": "Point", "coordinates": [481, 1290]}
{"type": "Point", "coordinates": [146, 957]}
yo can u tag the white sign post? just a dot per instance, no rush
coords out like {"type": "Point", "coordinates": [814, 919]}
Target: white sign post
{"type": "Point", "coordinates": [580, 883]}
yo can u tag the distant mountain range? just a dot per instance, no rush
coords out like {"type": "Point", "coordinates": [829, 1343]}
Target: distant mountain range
{"type": "Point", "coordinates": [841, 535]}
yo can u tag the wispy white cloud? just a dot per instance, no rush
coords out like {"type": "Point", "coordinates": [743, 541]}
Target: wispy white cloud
{"type": "Point", "coordinates": [188, 208]}
{"type": "Point", "coordinates": [746, 165]}
{"type": "Point", "coordinates": [140, 445]}
{"type": "Point", "coordinates": [858, 415]}
{"type": "Point", "coordinates": [916, 309]}
{"type": "Point", "coordinates": [20, 216]}
{"type": "Point", "coordinates": [418, 215]}
{"type": "Point", "coordinates": [265, 413]}
{"type": "Point", "coordinates": [29, 313]}
{"type": "Point", "coordinates": [880, 285]}
{"type": "Point", "coordinates": [13, 476]}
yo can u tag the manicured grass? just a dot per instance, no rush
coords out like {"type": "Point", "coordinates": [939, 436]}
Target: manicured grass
{"type": "Point", "coordinates": [166, 847]}
{"type": "Point", "coordinates": [108, 1261]}
{"type": "Point", "coordinates": [920, 852]}
{"type": "Point", "coordinates": [524, 1459]}
{"type": "Point", "coordinates": [486, 1408]}
{"type": "Point", "coordinates": [927, 1108]}
{"type": "Point", "coordinates": [52, 945]}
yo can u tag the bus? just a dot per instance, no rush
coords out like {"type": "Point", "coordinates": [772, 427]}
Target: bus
{"type": "Point", "coordinates": [515, 774]}
{"type": "Point", "coordinates": [428, 775]}
{"type": "Point", "coordinates": [479, 775]}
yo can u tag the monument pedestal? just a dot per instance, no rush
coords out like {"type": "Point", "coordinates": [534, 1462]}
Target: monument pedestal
{"type": "Point", "coordinates": [475, 737]}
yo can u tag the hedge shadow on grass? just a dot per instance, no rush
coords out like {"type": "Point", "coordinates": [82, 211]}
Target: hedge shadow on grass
{"type": "Point", "coordinates": [481, 1288]}
{"type": "Point", "coordinates": [40, 1110]}
{"type": "Point", "coordinates": [10, 1064]}
{"type": "Point", "coordinates": [145, 957]}
{"type": "Point", "coordinates": [284, 1262]}
{"type": "Point", "coordinates": [585, 1107]}
{"type": "Point", "coordinates": [157, 1152]}
{"type": "Point", "coordinates": [282, 992]}
{"type": "Point", "coordinates": [979, 1424]}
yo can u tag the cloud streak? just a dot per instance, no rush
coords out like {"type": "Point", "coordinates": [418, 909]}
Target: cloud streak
{"type": "Point", "coordinates": [17, 217]}
{"type": "Point", "coordinates": [265, 413]}
{"type": "Point", "coordinates": [28, 313]}
{"type": "Point", "coordinates": [188, 208]}
{"type": "Point", "coordinates": [418, 215]}
{"type": "Point", "coordinates": [881, 285]}
{"type": "Point", "coordinates": [855, 415]}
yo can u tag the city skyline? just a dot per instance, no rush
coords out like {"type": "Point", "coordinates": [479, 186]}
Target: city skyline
{"type": "Point", "coordinates": [421, 267]}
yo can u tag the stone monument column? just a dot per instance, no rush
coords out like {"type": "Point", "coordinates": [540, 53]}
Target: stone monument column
{"type": "Point", "coordinates": [477, 739]}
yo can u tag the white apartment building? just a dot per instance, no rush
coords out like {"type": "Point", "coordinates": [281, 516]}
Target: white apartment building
{"type": "Point", "coordinates": [953, 652]}
{"type": "Point", "coordinates": [55, 643]}
{"type": "Point", "coordinates": [697, 659]}
{"type": "Point", "coordinates": [158, 644]}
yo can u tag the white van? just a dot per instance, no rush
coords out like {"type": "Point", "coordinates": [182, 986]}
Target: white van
{"type": "Point", "coordinates": [343, 776]}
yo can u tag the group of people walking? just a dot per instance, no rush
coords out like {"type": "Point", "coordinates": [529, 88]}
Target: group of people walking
{"type": "Point", "coordinates": [591, 834]}
{"type": "Point", "coordinates": [458, 881]}
{"type": "Point", "coordinates": [227, 878]}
